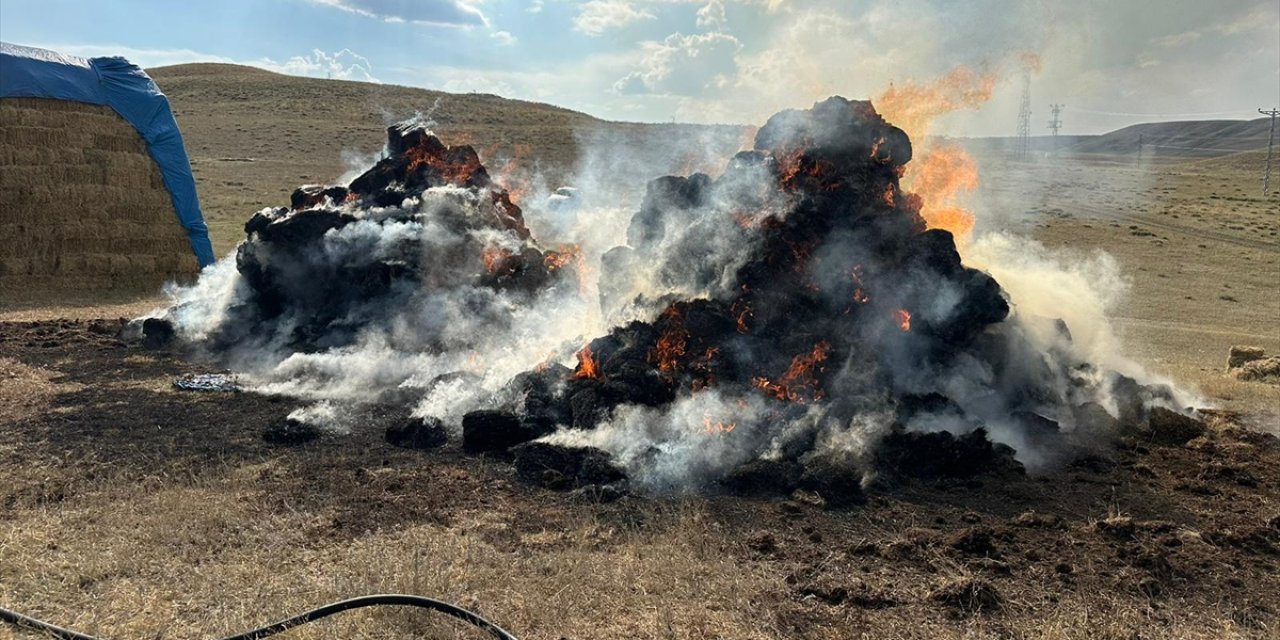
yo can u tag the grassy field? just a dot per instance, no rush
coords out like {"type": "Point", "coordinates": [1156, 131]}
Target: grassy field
{"type": "Point", "coordinates": [133, 510]}
{"type": "Point", "coordinates": [1196, 241]}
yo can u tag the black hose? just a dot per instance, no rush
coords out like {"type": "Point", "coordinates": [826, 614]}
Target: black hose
{"type": "Point", "coordinates": [26, 622]}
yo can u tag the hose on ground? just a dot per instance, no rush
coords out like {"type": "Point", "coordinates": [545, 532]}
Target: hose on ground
{"type": "Point", "coordinates": [383, 599]}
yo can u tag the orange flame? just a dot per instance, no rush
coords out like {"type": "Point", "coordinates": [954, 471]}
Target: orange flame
{"type": "Point", "coordinates": [671, 345]}
{"type": "Point", "coordinates": [456, 164]}
{"type": "Point", "coordinates": [939, 177]}
{"type": "Point", "coordinates": [495, 258]}
{"type": "Point", "coordinates": [717, 426]}
{"type": "Point", "coordinates": [511, 173]}
{"type": "Point", "coordinates": [799, 383]}
{"type": "Point", "coordinates": [587, 366]}
{"type": "Point", "coordinates": [904, 319]}
{"type": "Point", "coordinates": [912, 106]}
{"type": "Point", "coordinates": [561, 256]}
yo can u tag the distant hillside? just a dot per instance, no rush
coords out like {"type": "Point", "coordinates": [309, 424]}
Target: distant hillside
{"type": "Point", "coordinates": [1010, 144]}
{"type": "Point", "coordinates": [1201, 138]}
{"type": "Point", "coordinates": [255, 135]}
{"type": "Point", "coordinates": [1242, 161]}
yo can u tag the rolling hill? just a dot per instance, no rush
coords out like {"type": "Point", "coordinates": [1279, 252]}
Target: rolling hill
{"type": "Point", "coordinates": [1201, 138]}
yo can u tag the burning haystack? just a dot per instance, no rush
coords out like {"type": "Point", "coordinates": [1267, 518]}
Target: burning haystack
{"type": "Point", "coordinates": [790, 323]}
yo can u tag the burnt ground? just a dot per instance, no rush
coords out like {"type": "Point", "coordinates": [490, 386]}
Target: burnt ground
{"type": "Point", "coordinates": [104, 468]}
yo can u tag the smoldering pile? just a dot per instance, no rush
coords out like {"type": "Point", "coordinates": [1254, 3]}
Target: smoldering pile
{"type": "Point", "coordinates": [791, 323]}
{"type": "Point", "coordinates": [426, 218]}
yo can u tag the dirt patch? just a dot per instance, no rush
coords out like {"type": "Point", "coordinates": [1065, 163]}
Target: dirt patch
{"type": "Point", "coordinates": [120, 498]}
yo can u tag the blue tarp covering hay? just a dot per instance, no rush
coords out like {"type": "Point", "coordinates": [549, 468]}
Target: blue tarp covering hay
{"type": "Point", "coordinates": [114, 82]}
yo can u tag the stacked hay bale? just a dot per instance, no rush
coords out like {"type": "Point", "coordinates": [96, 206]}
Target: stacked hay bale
{"type": "Point", "coordinates": [83, 207]}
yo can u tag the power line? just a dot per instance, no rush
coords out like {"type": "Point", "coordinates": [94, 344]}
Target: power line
{"type": "Point", "coordinates": [1056, 123]}
{"type": "Point", "coordinates": [1024, 117]}
{"type": "Point", "coordinates": [1271, 138]}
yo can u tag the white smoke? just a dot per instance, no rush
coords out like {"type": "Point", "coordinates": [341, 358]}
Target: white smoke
{"type": "Point", "coordinates": [450, 346]}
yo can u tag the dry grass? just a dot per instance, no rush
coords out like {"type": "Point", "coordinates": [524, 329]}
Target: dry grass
{"type": "Point", "coordinates": [27, 390]}
{"type": "Point", "coordinates": [82, 205]}
{"type": "Point", "coordinates": [208, 536]}
{"type": "Point", "coordinates": [1197, 243]}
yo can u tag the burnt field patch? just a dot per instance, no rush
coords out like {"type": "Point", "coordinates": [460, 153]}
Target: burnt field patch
{"type": "Point", "coordinates": [120, 491]}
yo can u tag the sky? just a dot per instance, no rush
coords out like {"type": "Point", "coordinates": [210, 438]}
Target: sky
{"type": "Point", "coordinates": [1110, 62]}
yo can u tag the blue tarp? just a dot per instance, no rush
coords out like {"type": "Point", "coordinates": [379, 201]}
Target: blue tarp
{"type": "Point", "coordinates": [27, 72]}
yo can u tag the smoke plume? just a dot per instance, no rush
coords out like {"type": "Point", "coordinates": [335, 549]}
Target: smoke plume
{"type": "Point", "coordinates": [798, 317]}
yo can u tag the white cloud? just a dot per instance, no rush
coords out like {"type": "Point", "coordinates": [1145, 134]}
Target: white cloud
{"type": "Point", "coordinates": [452, 13]}
{"type": "Point", "coordinates": [597, 16]}
{"type": "Point", "coordinates": [503, 38]}
{"type": "Point", "coordinates": [711, 15]}
{"type": "Point", "coordinates": [1177, 39]}
{"type": "Point", "coordinates": [683, 65]}
{"type": "Point", "coordinates": [340, 65]}
{"type": "Point", "coordinates": [534, 7]}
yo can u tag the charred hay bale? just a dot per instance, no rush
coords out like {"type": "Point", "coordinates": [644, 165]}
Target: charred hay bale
{"type": "Point", "coordinates": [157, 333]}
{"type": "Point", "coordinates": [1133, 399]}
{"type": "Point", "coordinates": [1238, 355]}
{"type": "Point", "coordinates": [1093, 418]}
{"type": "Point", "coordinates": [1171, 428]}
{"type": "Point", "coordinates": [942, 455]}
{"type": "Point", "coordinates": [290, 432]}
{"type": "Point", "coordinates": [559, 467]}
{"type": "Point", "coordinates": [311, 195]}
{"type": "Point", "coordinates": [849, 131]}
{"type": "Point", "coordinates": [589, 405]}
{"type": "Point", "coordinates": [836, 481]}
{"type": "Point", "coordinates": [495, 431]}
{"type": "Point", "coordinates": [665, 200]}
{"type": "Point", "coordinates": [1039, 430]}
{"type": "Point", "coordinates": [542, 390]}
{"type": "Point", "coordinates": [764, 477]}
{"type": "Point", "coordinates": [421, 434]}
{"type": "Point", "coordinates": [303, 229]}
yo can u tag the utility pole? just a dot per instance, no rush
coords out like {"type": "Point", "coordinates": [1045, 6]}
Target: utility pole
{"type": "Point", "coordinates": [1056, 123]}
{"type": "Point", "coordinates": [1024, 117]}
{"type": "Point", "coordinates": [1271, 138]}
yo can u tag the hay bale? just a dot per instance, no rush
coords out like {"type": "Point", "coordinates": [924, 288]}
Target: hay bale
{"type": "Point", "coordinates": [1240, 354]}
{"type": "Point", "coordinates": [82, 204]}
{"type": "Point", "coordinates": [1261, 370]}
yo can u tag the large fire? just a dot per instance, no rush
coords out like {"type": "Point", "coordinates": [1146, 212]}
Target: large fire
{"type": "Point", "coordinates": [939, 177]}
{"type": "Point", "coordinates": [812, 290]}
{"type": "Point", "coordinates": [940, 174]}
